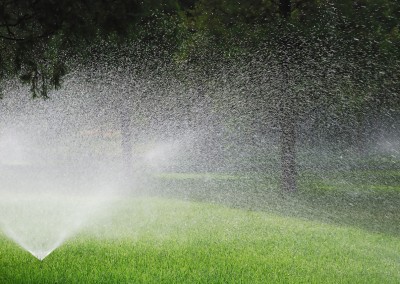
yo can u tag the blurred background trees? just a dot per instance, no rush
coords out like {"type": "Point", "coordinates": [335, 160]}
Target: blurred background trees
{"type": "Point", "coordinates": [311, 72]}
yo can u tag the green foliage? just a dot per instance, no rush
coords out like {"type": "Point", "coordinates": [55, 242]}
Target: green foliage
{"type": "Point", "coordinates": [39, 40]}
{"type": "Point", "coordinates": [48, 32]}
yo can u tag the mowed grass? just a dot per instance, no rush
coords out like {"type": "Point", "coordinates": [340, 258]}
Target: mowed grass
{"type": "Point", "coordinates": [369, 200]}
{"type": "Point", "coordinates": [166, 240]}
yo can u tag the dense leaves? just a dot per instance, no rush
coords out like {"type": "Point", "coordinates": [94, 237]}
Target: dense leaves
{"type": "Point", "coordinates": [37, 36]}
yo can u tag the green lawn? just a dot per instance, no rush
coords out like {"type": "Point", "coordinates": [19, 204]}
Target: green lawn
{"type": "Point", "coordinates": [153, 240]}
{"type": "Point", "coordinates": [369, 200]}
{"type": "Point", "coordinates": [224, 228]}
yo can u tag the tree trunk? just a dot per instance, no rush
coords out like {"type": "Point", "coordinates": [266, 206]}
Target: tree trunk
{"type": "Point", "coordinates": [288, 149]}
{"type": "Point", "coordinates": [360, 141]}
{"type": "Point", "coordinates": [287, 112]}
{"type": "Point", "coordinates": [126, 142]}
{"type": "Point", "coordinates": [288, 117]}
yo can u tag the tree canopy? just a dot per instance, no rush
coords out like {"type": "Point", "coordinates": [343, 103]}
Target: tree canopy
{"type": "Point", "coordinates": [38, 36]}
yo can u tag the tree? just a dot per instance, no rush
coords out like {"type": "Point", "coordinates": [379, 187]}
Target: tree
{"type": "Point", "coordinates": [41, 40]}
{"type": "Point", "coordinates": [287, 114]}
{"type": "Point", "coordinates": [316, 50]}
{"type": "Point", "coordinates": [284, 31]}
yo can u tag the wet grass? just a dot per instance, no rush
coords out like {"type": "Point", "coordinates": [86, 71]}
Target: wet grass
{"type": "Point", "coordinates": [341, 227]}
{"type": "Point", "coordinates": [366, 199]}
{"type": "Point", "coordinates": [156, 240]}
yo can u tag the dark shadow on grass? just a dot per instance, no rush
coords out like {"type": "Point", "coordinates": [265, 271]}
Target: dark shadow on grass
{"type": "Point", "coordinates": [335, 199]}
